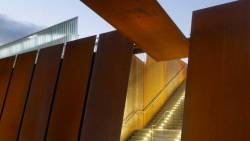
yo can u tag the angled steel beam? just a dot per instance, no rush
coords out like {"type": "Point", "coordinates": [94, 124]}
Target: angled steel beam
{"type": "Point", "coordinates": [146, 23]}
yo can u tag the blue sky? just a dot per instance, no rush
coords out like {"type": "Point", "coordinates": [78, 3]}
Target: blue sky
{"type": "Point", "coordinates": [21, 17]}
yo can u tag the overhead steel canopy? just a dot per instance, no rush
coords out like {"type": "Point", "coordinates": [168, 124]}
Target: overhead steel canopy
{"type": "Point", "coordinates": [146, 23]}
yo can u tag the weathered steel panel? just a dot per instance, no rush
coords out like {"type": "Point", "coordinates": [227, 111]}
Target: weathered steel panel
{"type": "Point", "coordinates": [218, 96]}
{"type": "Point", "coordinates": [41, 94]}
{"type": "Point", "coordinates": [108, 89]}
{"type": "Point", "coordinates": [16, 97]}
{"type": "Point", "coordinates": [146, 23]}
{"type": "Point", "coordinates": [71, 91]}
{"type": "Point", "coordinates": [6, 68]}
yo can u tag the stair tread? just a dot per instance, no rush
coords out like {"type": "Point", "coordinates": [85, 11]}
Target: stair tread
{"type": "Point", "coordinates": [167, 123]}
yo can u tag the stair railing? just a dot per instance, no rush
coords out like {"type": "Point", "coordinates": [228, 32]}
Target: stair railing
{"type": "Point", "coordinates": [151, 104]}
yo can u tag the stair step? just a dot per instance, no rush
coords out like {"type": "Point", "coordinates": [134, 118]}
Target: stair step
{"type": "Point", "coordinates": [167, 123]}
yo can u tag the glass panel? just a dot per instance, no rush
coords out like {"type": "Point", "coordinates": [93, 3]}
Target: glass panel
{"type": "Point", "coordinates": [57, 34]}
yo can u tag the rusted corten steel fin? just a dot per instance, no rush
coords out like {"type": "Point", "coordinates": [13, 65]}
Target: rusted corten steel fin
{"type": "Point", "coordinates": [146, 23]}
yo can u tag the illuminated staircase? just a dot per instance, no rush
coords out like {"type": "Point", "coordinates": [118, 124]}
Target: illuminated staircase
{"type": "Point", "coordinates": [167, 124]}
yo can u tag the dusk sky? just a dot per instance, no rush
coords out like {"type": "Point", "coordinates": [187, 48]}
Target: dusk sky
{"type": "Point", "coordinates": [22, 17]}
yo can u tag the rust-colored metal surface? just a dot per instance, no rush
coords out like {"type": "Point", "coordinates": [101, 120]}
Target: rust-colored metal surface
{"type": "Point", "coordinates": [218, 96]}
{"type": "Point", "coordinates": [6, 67]}
{"type": "Point", "coordinates": [41, 94]}
{"type": "Point", "coordinates": [71, 91]}
{"type": "Point", "coordinates": [16, 97]}
{"type": "Point", "coordinates": [146, 23]}
{"type": "Point", "coordinates": [108, 89]}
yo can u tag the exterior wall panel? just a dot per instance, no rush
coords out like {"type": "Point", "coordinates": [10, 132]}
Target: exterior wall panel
{"type": "Point", "coordinates": [71, 91]}
{"type": "Point", "coordinates": [6, 68]}
{"type": "Point", "coordinates": [41, 94]}
{"type": "Point", "coordinates": [16, 97]}
{"type": "Point", "coordinates": [108, 89]}
{"type": "Point", "coordinates": [217, 98]}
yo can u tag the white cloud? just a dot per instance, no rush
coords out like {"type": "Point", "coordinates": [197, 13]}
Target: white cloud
{"type": "Point", "coordinates": [11, 30]}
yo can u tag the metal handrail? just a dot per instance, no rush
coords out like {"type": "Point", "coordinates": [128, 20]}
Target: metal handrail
{"type": "Point", "coordinates": [131, 115]}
